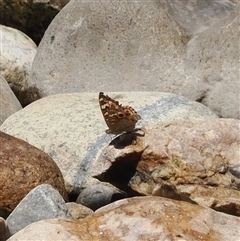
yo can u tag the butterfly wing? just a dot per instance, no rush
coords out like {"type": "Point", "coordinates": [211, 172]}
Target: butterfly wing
{"type": "Point", "coordinates": [117, 117]}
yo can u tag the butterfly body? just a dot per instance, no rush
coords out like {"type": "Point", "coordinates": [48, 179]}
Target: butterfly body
{"type": "Point", "coordinates": [117, 117]}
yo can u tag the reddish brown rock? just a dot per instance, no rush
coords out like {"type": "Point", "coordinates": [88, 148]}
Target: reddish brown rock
{"type": "Point", "coordinates": [139, 219]}
{"type": "Point", "coordinates": [192, 160]}
{"type": "Point", "coordinates": [23, 167]}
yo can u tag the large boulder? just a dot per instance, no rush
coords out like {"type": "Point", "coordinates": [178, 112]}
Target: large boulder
{"type": "Point", "coordinates": [141, 46]}
{"type": "Point", "coordinates": [18, 52]}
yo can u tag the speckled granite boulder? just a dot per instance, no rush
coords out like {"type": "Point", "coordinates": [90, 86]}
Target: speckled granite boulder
{"type": "Point", "coordinates": [23, 167]}
{"type": "Point", "coordinates": [9, 104]}
{"type": "Point", "coordinates": [71, 128]}
{"type": "Point", "coordinates": [140, 219]}
{"type": "Point", "coordinates": [143, 46]}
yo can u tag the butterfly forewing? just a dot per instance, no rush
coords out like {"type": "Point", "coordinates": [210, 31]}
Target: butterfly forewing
{"type": "Point", "coordinates": [117, 117]}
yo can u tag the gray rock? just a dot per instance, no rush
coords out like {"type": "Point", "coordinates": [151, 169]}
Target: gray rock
{"type": "Point", "coordinates": [213, 61]}
{"type": "Point", "coordinates": [43, 202]}
{"type": "Point", "coordinates": [136, 46]}
{"type": "Point", "coordinates": [197, 16]}
{"type": "Point", "coordinates": [99, 195]}
{"type": "Point", "coordinates": [9, 104]}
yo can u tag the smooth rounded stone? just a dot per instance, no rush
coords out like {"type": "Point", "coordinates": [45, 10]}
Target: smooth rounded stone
{"type": "Point", "coordinates": [31, 17]}
{"type": "Point", "coordinates": [235, 170]}
{"type": "Point", "coordinates": [113, 44]}
{"type": "Point", "coordinates": [43, 202]}
{"type": "Point", "coordinates": [16, 60]}
{"type": "Point", "coordinates": [99, 195]}
{"type": "Point", "coordinates": [213, 58]}
{"type": "Point", "coordinates": [189, 160]}
{"type": "Point", "coordinates": [139, 46]}
{"type": "Point", "coordinates": [4, 231]}
{"type": "Point", "coordinates": [78, 211]}
{"type": "Point", "coordinates": [190, 14]}
{"type": "Point", "coordinates": [9, 104]}
{"type": "Point", "coordinates": [139, 219]}
{"type": "Point", "coordinates": [71, 129]}
{"type": "Point", "coordinates": [23, 167]}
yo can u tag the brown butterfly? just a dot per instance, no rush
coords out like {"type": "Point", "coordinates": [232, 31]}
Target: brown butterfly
{"type": "Point", "coordinates": [117, 117]}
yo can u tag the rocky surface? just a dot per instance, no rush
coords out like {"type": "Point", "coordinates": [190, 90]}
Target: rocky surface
{"type": "Point", "coordinates": [196, 161]}
{"type": "Point", "coordinates": [183, 151]}
{"type": "Point", "coordinates": [43, 202]}
{"type": "Point", "coordinates": [9, 104]}
{"type": "Point", "coordinates": [213, 59]}
{"type": "Point", "coordinates": [201, 15]}
{"type": "Point", "coordinates": [143, 46]}
{"type": "Point", "coordinates": [18, 52]}
{"type": "Point", "coordinates": [78, 211]}
{"type": "Point", "coordinates": [31, 17]}
{"type": "Point", "coordinates": [139, 219]}
{"type": "Point", "coordinates": [4, 231]}
{"type": "Point", "coordinates": [98, 195]}
{"type": "Point", "coordinates": [71, 129]}
{"type": "Point", "coordinates": [23, 167]}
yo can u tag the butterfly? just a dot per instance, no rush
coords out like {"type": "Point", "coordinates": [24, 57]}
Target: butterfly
{"type": "Point", "coordinates": [117, 117]}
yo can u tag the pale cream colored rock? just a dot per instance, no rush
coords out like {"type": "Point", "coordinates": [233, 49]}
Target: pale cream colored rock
{"type": "Point", "coordinates": [18, 52]}
{"type": "Point", "coordinates": [193, 160]}
{"type": "Point", "coordinates": [9, 104]}
{"type": "Point", "coordinates": [139, 219]}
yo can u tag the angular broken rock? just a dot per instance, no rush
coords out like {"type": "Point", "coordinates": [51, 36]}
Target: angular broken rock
{"type": "Point", "coordinates": [43, 202]}
{"type": "Point", "coordinates": [192, 160]}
